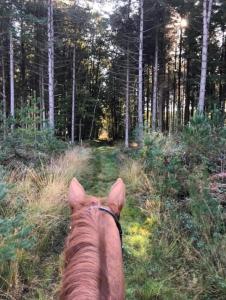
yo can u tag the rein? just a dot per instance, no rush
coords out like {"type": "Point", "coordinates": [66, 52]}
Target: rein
{"type": "Point", "coordinates": [116, 219]}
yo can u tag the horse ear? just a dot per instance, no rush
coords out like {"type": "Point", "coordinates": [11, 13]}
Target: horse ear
{"type": "Point", "coordinates": [76, 193]}
{"type": "Point", "coordinates": [116, 197]}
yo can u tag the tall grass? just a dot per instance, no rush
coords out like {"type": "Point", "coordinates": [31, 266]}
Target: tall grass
{"type": "Point", "coordinates": [42, 192]}
{"type": "Point", "coordinates": [47, 185]}
{"type": "Point", "coordinates": [132, 171]}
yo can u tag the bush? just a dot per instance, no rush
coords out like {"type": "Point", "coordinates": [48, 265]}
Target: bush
{"type": "Point", "coordinates": [30, 140]}
{"type": "Point", "coordinates": [42, 140]}
{"type": "Point", "coordinates": [205, 141]}
{"type": "Point", "coordinates": [188, 242]}
{"type": "Point", "coordinates": [27, 148]}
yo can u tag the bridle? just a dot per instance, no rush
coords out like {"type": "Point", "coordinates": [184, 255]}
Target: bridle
{"type": "Point", "coordinates": [116, 218]}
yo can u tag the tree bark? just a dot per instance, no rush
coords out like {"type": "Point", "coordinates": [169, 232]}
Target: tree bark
{"type": "Point", "coordinates": [73, 100]}
{"type": "Point", "coordinates": [160, 109]}
{"type": "Point", "coordinates": [179, 100]}
{"type": "Point", "coordinates": [23, 63]}
{"type": "Point", "coordinates": [3, 97]}
{"type": "Point", "coordinates": [167, 108]}
{"type": "Point", "coordinates": [11, 57]}
{"type": "Point", "coordinates": [93, 119]}
{"type": "Point", "coordinates": [148, 96]}
{"type": "Point", "coordinates": [155, 85]}
{"type": "Point", "coordinates": [174, 89]}
{"type": "Point", "coordinates": [51, 63]}
{"type": "Point", "coordinates": [42, 97]}
{"type": "Point", "coordinates": [222, 84]}
{"type": "Point", "coordinates": [207, 10]}
{"type": "Point", "coordinates": [127, 88]}
{"type": "Point", "coordinates": [140, 90]}
{"type": "Point", "coordinates": [187, 102]}
{"type": "Point", "coordinates": [80, 132]}
{"type": "Point", "coordinates": [127, 103]}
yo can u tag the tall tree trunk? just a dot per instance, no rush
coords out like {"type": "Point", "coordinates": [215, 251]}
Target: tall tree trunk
{"type": "Point", "coordinates": [168, 101]}
{"type": "Point", "coordinates": [148, 96]}
{"type": "Point", "coordinates": [73, 100]}
{"type": "Point", "coordinates": [187, 101]}
{"type": "Point", "coordinates": [51, 63]}
{"type": "Point", "coordinates": [93, 119]}
{"type": "Point", "coordinates": [224, 83]}
{"type": "Point", "coordinates": [42, 97]}
{"type": "Point", "coordinates": [127, 102]}
{"type": "Point", "coordinates": [151, 92]}
{"type": "Point", "coordinates": [207, 10]}
{"type": "Point", "coordinates": [11, 57]}
{"type": "Point", "coordinates": [179, 99]}
{"type": "Point", "coordinates": [23, 63]}
{"type": "Point", "coordinates": [140, 90]}
{"type": "Point", "coordinates": [80, 132]}
{"type": "Point", "coordinates": [127, 88]}
{"type": "Point", "coordinates": [174, 89]}
{"type": "Point", "coordinates": [160, 109]}
{"type": "Point", "coordinates": [222, 68]}
{"type": "Point", "coordinates": [163, 87]}
{"type": "Point", "coordinates": [155, 85]}
{"type": "Point", "coordinates": [3, 97]}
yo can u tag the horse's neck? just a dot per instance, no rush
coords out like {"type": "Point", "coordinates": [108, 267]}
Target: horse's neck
{"type": "Point", "coordinates": [94, 261]}
{"type": "Point", "coordinates": [111, 258]}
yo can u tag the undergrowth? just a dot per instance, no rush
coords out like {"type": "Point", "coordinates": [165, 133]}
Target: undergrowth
{"type": "Point", "coordinates": [33, 226]}
{"type": "Point", "coordinates": [186, 251]}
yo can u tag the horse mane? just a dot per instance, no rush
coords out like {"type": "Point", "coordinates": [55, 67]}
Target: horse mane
{"type": "Point", "coordinates": [85, 258]}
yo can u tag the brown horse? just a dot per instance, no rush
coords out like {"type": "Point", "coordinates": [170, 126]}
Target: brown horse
{"type": "Point", "coordinates": [93, 254]}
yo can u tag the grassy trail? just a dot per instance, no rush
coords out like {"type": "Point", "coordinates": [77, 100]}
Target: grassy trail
{"type": "Point", "coordinates": [104, 170]}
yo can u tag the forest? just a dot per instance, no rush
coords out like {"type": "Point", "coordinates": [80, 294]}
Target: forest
{"type": "Point", "coordinates": [98, 90]}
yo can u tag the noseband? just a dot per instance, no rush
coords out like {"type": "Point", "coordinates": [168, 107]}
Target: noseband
{"type": "Point", "coordinates": [116, 219]}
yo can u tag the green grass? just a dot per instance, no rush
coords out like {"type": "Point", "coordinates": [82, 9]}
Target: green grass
{"type": "Point", "coordinates": [103, 171]}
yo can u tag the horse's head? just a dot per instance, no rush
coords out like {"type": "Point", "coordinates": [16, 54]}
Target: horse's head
{"type": "Point", "coordinates": [93, 256]}
{"type": "Point", "coordinates": [78, 199]}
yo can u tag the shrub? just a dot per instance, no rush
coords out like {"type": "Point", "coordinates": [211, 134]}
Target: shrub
{"type": "Point", "coordinates": [30, 140]}
{"type": "Point", "coordinates": [187, 244]}
{"type": "Point", "coordinates": [204, 141]}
